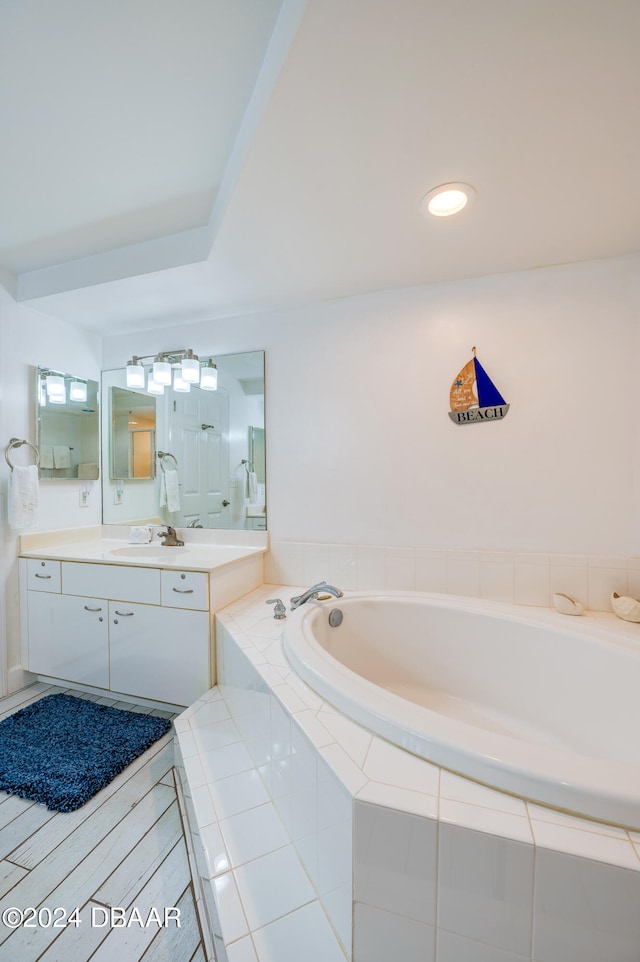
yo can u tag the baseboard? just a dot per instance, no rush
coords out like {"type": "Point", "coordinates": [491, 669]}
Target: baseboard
{"type": "Point", "coordinates": [18, 678]}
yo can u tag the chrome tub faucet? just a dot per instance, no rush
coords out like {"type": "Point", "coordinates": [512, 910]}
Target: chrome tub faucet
{"type": "Point", "coordinates": [321, 588]}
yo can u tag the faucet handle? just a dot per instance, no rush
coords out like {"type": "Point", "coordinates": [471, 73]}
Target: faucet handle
{"type": "Point", "coordinates": [279, 611]}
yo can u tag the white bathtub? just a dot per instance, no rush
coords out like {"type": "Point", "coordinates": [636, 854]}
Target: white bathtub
{"type": "Point", "coordinates": [538, 705]}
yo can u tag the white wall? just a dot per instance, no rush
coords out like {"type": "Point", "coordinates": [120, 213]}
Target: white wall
{"type": "Point", "coordinates": [359, 445]}
{"type": "Point", "coordinates": [29, 339]}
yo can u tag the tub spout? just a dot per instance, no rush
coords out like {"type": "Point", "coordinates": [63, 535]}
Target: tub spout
{"type": "Point", "coordinates": [321, 588]}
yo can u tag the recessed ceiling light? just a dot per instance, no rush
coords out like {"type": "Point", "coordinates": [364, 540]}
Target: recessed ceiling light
{"type": "Point", "coordinates": [447, 199]}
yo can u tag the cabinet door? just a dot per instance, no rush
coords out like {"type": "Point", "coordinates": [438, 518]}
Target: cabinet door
{"type": "Point", "coordinates": [68, 638]}
{"type": "Point", "coordinates": [159, 653]}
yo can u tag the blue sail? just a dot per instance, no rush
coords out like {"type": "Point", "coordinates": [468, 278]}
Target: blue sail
{"type": "Point", "coordinates": [488, 394]}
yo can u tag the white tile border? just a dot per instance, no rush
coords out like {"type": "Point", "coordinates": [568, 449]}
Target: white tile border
{"type": "Point", "coordinates": [518, 577]}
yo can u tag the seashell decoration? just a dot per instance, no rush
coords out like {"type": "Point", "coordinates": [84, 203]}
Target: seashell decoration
{"type": "Point", "coordinates": [624, 607]}
{"type": "Point", "coordinates": [567, 605]}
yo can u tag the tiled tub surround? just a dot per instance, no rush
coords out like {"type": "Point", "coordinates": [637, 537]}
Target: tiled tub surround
{"type": "Point", "coordinates": [316, 839]}
{"type": "Point", "coordinates": [519, 578]}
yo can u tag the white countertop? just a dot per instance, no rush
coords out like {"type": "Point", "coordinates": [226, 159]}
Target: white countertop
{"type": "Point", "coordinates": [190, 557]}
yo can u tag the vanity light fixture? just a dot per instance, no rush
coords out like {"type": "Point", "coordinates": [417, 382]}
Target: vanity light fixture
{"type": "Point", "coordinates": [209, 376]}
{"type": "Point", "coordinates": [184, 366]}
{"type": "Point", "coordinates": [447, 199]}
{"type": "Point", "coordinates": [190, 368]}
{"type": "Point", "coordinates": [162, 371]}
{"type": "Point", "coordinates": [78, 391]}
{"type": "Point", "coordinates": [135, 372]}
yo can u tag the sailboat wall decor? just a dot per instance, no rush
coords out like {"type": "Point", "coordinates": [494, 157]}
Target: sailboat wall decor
{"type": "Point", "coordinates": [474, 397]}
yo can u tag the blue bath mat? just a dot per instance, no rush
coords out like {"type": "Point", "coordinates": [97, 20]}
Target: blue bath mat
{"type": "Point", "coordinates": [61, 750]}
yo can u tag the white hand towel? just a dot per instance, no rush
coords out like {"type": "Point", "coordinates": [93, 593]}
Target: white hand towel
{"type": "Point", "coordinates": [162, 493]}
{"type": "Point", "coordinates": [253, 487]}
{"type": "Point", "coordinates": [173, 489]}
{"type": "Point", "coordinates": [61, 456]}
{"type": "Point", "coordinates": [46, 456]}
{"type": "Point", "coordinates": [23, 497]}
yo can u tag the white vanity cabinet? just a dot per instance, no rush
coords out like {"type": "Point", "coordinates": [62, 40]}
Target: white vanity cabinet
{"type": "Point", "coordinates": [139, 631]}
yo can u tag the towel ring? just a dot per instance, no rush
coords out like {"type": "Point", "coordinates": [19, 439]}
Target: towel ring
{"type": "Point", "coordinates": [167, 454]}
{"type": "Point", "coordinates": [17, 443]}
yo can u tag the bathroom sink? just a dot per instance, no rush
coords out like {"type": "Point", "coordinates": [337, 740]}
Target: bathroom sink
{"type": "Point", "coordinates": [148, 551]}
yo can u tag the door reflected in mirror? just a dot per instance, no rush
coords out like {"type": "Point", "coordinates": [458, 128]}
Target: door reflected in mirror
{"type": "Point", "coordinates": [192, 458]}
{"type": "Point", "coordinates": [67, 426]}
{"type": "Point", "coordinates": [133, 435]}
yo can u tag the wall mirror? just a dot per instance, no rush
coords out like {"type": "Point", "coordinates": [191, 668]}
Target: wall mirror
{"type": "Point", "coordinates": [193, 458]}
{"type": "Point", "coordinates": [68, 426]}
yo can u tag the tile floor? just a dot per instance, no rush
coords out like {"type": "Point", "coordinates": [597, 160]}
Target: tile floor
{"type": "Point", "coordinates": [125, 848]}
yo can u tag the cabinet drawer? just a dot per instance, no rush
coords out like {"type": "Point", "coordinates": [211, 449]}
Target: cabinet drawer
{"type": "Point", "coordinates": [43, 575]}
{"type": "Point", "coordinates": [123, 582]}
{"type": "Point", "coordinates": [185, 589]}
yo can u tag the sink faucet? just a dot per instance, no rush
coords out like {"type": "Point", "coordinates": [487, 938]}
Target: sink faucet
{"type": "Point", "coordinates": [170, 538]}
{"type": "Point", "coordinates": [320, 589]}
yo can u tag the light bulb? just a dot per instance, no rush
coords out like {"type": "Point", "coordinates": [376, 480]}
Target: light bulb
{"type": "Point", "coordinates": [209, 377]}
{"type": "Point", "coordinates": [135, 373]}
{"type": "Point", "coordinates": [162, 371]}
{"type": "Point", "coordinates": [153, 387]}
{"type": "Point", "coordinates": [56, 388]}
{"type": "Point", "coordinates": [447, 199]}
{"type": "Point", "coordinates": [78, 391]}
{"type": "Point", "coordinates": [179, 383]}
{"type": "Point", "coordinates": [191, 368]}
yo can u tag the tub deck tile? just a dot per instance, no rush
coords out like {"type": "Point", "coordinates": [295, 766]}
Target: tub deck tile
{"type": "Point", "coordinates": [378, 773]}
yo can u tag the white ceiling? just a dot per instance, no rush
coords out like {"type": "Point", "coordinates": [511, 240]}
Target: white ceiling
{"type": "Point", "coordinates": [178, 161]}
